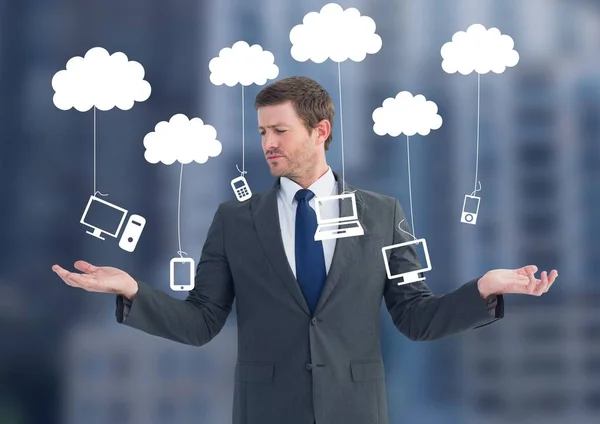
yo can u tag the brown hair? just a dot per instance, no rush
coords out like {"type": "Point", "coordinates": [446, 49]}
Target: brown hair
{"type": "Point", "coordinates": [310, 100]}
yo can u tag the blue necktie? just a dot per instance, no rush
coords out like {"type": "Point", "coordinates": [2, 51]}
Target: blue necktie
{"type": "Point", "coordinates": [310, 260]}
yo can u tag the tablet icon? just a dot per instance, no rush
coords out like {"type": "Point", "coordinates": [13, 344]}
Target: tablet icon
{"type": "Point", "coordinates": [182, 274]}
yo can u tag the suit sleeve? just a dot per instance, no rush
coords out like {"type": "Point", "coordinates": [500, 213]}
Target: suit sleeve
{"type": "Point", "coordinates": [201, 316]}
{"type": "Point", "coordinates": [421, 315]}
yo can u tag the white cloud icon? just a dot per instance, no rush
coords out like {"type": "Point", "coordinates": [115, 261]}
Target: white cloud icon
{"type": "Point", "coordinates": [243, 64]}
{"type": "Point", "coordinates": [182, 140]}
{"type": "Point", "coordinates": [479, 50]}
{"type": "Point", "coordinates": [334, 33]}
{"type": "Point", "coordinates": [406, 114]}
{"type": "Point", "coordinates": [101, 80]}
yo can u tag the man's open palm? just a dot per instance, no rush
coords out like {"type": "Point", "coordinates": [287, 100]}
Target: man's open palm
{"type": "Point", "coordinates": [102, 279]}
{"type": "Point", "coordinates": [517, 281]}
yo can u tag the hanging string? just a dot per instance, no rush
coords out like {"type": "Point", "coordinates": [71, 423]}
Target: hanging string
{"type": "Point", "coordinates": [242, 171]}
{"type": "Point", "coordinates": [412, 219]}
{"type": "Point", "coordinates": [342, 129]}
{"type": "Point", "coordinates": [475, 190]}
{"type": "Point", "coordinates": [95, 191]}
{"type": "Point", "coordinates": [179, 252]}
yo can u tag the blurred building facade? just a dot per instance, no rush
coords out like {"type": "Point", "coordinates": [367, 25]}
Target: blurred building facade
{"type": "Point", "coordinates": [541, 365]}
{"type": "Point", "coordinates": [141, 379]}
{"type": "Point", "coordinates": [535, 158]}
{"type": "Point", "coordinates": [521, 132]}
{"type": "Point", "coordinates": [537, 167]}
{"type": "Point", "coordinates": [49, 164]}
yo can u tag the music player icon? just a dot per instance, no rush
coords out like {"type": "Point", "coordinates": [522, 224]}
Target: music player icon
{"type": "Point", "coordinates": [470, 210]}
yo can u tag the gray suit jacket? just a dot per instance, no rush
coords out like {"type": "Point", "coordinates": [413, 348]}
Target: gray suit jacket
{"type": "Point", "coordinates": [294, 367]}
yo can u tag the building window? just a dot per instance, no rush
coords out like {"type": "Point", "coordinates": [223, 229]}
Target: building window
{"type": "Point", "coordinates": [89, 412]}
{"type": "Point", "coordinates": [91, 366]}
{"type": "Point", "coordinates": [503, 14]}
{"type": "Point", "coordinates": [548, 402]}
{"type": "Point", "coordinates": [249, 22]}
{"type": "Point", "coordinates": [566, 33]}
{"type": "Point", "coordinates": [591, 331]}
{"type": "Point", "coordinates": [542, 333]}
{"type": "Point", "coordinates": [591, 366]}
{"type": "Point", "coordinates": [540, 365]}
{"type": "Point", "coordinates": [536, 117]}
{"type": "Point", "coordinates": [543, 257]}
{"type": "Point", "coordinates": [541, 188]}
{"type": "Point", "coordinates": [490, 403]}
{"type": "Point", "coordinates": [539, 223]}
{"type": "Point", "coordinates": [121, 365]}
{"type": "Point", "coordinates": [165, 411]}
{"type": "Point", "coordinates": [537, 154]}
{"type": "Point", "coordinates": [492, 367]}
{"type": "Point", "coordinates": [592, 401]}
{"type": "Point", "coordinates": [167, 365]}
{"type": "Point", "coordinates": [120, 412]}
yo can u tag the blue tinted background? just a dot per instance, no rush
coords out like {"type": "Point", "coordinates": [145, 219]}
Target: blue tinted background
{"type": "Point", "coordinates": [64, 359]}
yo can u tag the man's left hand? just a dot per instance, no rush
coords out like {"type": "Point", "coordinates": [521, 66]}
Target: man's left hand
{"type": "Point", "coordinates": [515, 281]}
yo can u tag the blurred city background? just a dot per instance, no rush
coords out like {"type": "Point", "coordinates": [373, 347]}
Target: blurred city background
{"type": "Point", "coordinates": [63, 357]}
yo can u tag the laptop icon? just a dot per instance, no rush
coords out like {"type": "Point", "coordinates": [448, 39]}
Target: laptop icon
{"type": "Point", "coordinates": [334, 227]}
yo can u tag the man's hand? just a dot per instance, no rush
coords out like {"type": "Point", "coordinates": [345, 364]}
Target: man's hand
{"type": "Point", "coordinates": [515, 281]}
{"type": "Point", "coordinates": [103, 279]}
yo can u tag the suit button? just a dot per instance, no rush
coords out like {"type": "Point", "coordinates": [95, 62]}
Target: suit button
{"type": "Point", "coordinates": [313, 321]}
{"type": "Point", "coordinates": [309, 366]}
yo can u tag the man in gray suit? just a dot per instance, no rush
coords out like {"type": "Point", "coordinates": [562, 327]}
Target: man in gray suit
{"type": "Point", "coordinates": [307, 311]}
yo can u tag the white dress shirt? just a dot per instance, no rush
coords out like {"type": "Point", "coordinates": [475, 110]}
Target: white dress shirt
{"type": "Point", "coordinates": [323, 187]}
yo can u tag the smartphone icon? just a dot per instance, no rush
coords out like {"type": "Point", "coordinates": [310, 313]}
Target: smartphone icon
{"type": "Point", "coordinates": [182, 274]}
{"type": "Point", "coordinates": [241, 189]}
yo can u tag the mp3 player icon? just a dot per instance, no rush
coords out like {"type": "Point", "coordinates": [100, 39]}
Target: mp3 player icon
{"type": "Point", "coordinates": [470, 210]}
{"type": "Point", "coordinates": [132, 232]}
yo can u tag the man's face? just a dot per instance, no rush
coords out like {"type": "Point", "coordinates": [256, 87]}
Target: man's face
{"type": "Point", "coordinates": [288, 147]}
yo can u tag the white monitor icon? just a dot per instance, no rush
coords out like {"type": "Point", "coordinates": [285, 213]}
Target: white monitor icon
{"type": "Point", "coordinates": [411, 275]}
{"type": "Point", "coordinates": [103, 217]}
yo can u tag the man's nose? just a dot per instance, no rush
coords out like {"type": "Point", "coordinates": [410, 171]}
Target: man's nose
{"type": "Point", "coordinates": [269, 142]}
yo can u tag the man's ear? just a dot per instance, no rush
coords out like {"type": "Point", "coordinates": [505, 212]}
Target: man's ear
{"type": "Point", "coordinates": [323, 129]}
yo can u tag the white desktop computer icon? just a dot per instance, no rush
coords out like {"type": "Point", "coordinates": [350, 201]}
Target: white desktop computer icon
{"type": "Point", "coordinates": [410, 275]}
{"type": "Point", "coordinates": [103, 217]}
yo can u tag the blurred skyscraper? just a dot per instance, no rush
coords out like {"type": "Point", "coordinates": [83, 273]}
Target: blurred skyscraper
{"type": "Point", "coordinates": [141, 379]}
{"type": "Point", "coordinates": [537, 163]}
{"type": "Point", "coordinates": [541, 365]}
{"type": "Point", "coordinates": [532, 178]}
{"type": "Point", "coordinates": [528, 168]}
{"type": "Point", "coordinates": [47, 169]}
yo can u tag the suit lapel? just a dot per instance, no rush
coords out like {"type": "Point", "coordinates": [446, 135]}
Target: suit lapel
{"type": "Point", "coordinates": [266, 218]}
{"type": "Point", "coordinates": [345, 248]}
{"type": "Point", "coordinates": [265, 213]}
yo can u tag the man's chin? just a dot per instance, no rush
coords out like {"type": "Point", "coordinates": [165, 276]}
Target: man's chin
{"type": "Point", "coordinates": [277, 170]}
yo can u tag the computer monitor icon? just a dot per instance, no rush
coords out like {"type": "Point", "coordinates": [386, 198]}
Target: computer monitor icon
{"type": "Point", "coordinates": [103, 217]}
{"type": "Point", "coordinates": [408, 258]}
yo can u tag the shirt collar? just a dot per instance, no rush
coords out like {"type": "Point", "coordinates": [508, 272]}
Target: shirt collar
{"type": "Point", "coordinates": [323, 187]}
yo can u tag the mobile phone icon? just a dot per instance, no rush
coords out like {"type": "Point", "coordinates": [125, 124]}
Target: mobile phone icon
{"type": "Point", "coordinates": [241, 189]}
{"type": "Point", "coordinates": [182, 274]}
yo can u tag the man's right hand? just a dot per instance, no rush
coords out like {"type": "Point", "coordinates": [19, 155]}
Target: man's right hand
{"type": "Point", "coordinates": [102, 279]}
